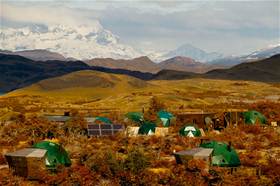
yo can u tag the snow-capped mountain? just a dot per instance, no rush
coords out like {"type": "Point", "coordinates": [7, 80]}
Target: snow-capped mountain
{"type": "Point", "coordinates": [190, 51]}
{"type": "Point", "coordinates": [80, 42]}
{"type": "Point", "coordinates": [264, 53]}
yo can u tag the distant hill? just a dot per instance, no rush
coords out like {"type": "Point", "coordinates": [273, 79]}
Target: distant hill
{"type": "Point", "coordinates": [266, 70]}
{"type": "Point", "coordinates": [174, 75]}
{"type": "Point", "coordinates": [142, 64]}
{"type": "Point", "coordinates": [37, 55]}
{"type": "Point", "coordinates": [185, 64]}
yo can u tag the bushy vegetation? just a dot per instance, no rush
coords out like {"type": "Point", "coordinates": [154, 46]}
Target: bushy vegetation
{"type": "Point", "coordinates": [117, 160]}
{"type": "Point", "coordinates": [143, 160]}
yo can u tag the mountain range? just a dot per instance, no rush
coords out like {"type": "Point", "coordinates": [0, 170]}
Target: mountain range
{"type": "Point", "coordinates": [17, 71]}
{"type": "Point", "coordinates": [84, 42]}
{"type": "Point", "coordinates": [144, 64]}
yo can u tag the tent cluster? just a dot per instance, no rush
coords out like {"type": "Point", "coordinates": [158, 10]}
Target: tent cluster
{"type": "Point", "coordinates": [148, 127]}
{"type": "Point", "coordinates": [56, 154]}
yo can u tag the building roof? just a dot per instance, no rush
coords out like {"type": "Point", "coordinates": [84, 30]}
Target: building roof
{"type": "Point", "coordinates": [28, 152]}
{"type": "Point", "coordinates": [57, 118]}
{"type": "Point", "coordinates": [197, 152]}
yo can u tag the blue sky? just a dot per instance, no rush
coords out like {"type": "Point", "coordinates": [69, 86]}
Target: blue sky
{"type": "Point", "coordinates": [229, 27]}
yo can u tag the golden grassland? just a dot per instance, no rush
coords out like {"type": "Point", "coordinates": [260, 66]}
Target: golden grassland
{"type": "Point", "coordinates": [92, 89]}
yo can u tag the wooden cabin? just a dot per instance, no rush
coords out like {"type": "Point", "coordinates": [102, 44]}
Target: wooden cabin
{"type": "Point", "coordinates": [182, 157]}
{"type": "Point", "coordinates": [27, 162]}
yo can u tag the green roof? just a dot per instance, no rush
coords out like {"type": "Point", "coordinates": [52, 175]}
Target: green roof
{"type": "Point", "coordinates": [190, 130]}
{"type": "Point", "coordinates": [223, 155]}
{"type": "Point", "coordinates": [103, 120]}
{"type": "Point", "coordinates": [56, 154]}
{"type": "Point", "coordinates": [253, 117]}
{"type": "Point", "coordinates": [165, 117]}
{"type": "Point", "coordinates": [135, 116]}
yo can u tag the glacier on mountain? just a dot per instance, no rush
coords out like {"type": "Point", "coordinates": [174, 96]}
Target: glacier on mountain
{"type": "Point", "coordinates": [80, 42]}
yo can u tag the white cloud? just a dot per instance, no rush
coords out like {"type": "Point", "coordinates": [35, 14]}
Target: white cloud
{"type": "Point", "coordinates": [240, 26]}
{"type": "Point", "coordinates": [44, 13]}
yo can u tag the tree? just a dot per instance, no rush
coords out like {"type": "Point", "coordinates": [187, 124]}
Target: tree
{"type": "Point", "coordinates": [155, 106]}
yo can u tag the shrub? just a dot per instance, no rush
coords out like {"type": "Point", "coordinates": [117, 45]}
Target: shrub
{"type": "Point", "coordinates": [136, 161]}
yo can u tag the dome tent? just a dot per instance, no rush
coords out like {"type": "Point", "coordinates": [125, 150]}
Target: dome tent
{"type": "Point", "coordinates": [56, 154]}
{"type": "Point", "coordinates": [165, 117]}
{"type": "Point", "coordinates": [135, 117]}
{"type": "Point", "coordinates": [253, 117]}
{"type": "Point", "coordinates": [190, 130]}
{"type": "Point", "coordinates": [147, 128]}
{"type": "Point", "coordinates": [223, 155]}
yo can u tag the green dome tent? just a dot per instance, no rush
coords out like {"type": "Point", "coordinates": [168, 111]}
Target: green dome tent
{"type": "Point", "coordinates": [147, 128]}
{"type": "Point", "coordinates": [251, 117]}
{"type": "Point", "coordinates": [56, 154]}
{"type": "Point", "coordinates": [165, 117]}
{"type": "Point", "coordinates": [135, 116]}
{"type": "Point", "coordinates": [190, 130]}
{"type": "Point", "coordinates": [223, 155]}
{"type": "Point", "coordinates": [103, 120]}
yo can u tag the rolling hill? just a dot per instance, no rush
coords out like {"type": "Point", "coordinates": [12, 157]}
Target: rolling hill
{"type": "Point", "coordinates": [85, 83]}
